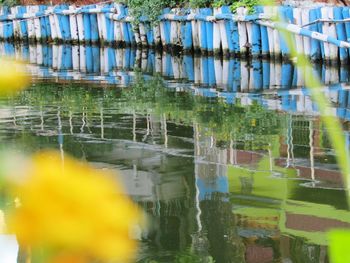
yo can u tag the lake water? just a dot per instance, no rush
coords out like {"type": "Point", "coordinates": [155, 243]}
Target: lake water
{"type": "Point", "coordinates": [228, 158]}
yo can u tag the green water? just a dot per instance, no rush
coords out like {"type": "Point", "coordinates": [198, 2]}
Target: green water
{"type": "Point", "coordinates": [220, 182]}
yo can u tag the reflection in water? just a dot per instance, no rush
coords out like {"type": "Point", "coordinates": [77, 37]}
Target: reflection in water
{"type": "Point", "coordinates": [275, 85]}
{"type": "Point", "coordinates": [66, 61]}
{"type": "Point", "coordinates": [224, 182]}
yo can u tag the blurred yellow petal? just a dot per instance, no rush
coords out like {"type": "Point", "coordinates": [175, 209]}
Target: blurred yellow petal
{"type": "Point", "coordinates": [64, 258]}
{"type": "Point", "coordinates": [72, 207]}
{"type": "Point", "coordinates": [12, 76]}
{"type": "Point", "coordinates": [2, 222]}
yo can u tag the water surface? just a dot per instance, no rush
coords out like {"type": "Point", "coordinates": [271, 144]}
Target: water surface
{"type": "Point", "coordinates": [233, 170]}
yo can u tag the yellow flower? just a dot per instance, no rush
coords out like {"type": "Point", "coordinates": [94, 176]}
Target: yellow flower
{"type": "Point", "coordinates": [75, 210]}
{"type": "Point", "coordinates": [12, 76]}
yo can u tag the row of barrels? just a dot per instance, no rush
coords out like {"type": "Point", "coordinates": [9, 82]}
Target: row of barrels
{"type": "Point", "coordinates": [320, 32]}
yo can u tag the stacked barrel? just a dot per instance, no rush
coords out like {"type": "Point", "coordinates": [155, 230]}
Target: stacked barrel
{"type": "Point", "coordinates": [321, 32]}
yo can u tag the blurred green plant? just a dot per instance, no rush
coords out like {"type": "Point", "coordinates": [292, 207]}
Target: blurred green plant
{"type": "Point", "coordinates": [9, 3]}
{"type": "Point", "coordinates": [339, 239]}
{"type": "Point", "coordinates": [332, 124]}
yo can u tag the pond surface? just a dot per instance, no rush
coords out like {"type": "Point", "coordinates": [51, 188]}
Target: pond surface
{"type": "Point", "coordinates": [228, 158]}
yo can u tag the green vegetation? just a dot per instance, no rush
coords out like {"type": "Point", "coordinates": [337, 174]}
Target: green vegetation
{"type": "Point", "coordinates": [152, 8]}
{"type": "Point", "coordinates": [332, 124]}
{"type": "Point", "coordinates": [9, 2]}
{"type": "Point", "coordinates": [337, 239]}
{"type": "Point", "coordinates": [339, 246]}
{"type": "Point", "coordinates": [249, 4]}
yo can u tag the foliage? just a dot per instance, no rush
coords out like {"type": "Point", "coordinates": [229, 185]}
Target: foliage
{"type": "Point", "coordinates": [200, 3]}
{"type": "Point", "coordinates": [219, 3]}
{"type": "Point", "coordinates": [249, 4]}
{"type": "Point", "coordinates": [151, 9]}
{"type": "Point", "coordinates": [9, 2]}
